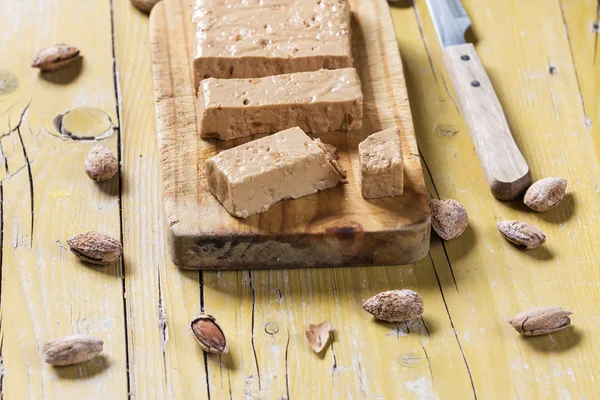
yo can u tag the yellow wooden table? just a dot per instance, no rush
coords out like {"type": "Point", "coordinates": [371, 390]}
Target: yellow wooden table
{"type": "Point", "coordinates": [542, 58]}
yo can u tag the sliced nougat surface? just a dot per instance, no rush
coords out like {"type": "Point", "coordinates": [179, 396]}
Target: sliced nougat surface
{"type": "Point", "coordinates": [317, 102]}
{"type": "Point", "coordinates": [256, 38]}
{"type": "Point", "coordinates": [250, 178]}
{"type": "Point", "coordinates": [381, 164]}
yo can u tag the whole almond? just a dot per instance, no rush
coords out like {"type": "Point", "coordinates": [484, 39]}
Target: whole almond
{"type": "Point", "coordinates": [545, 194]}
{"type": "Point", "coordinates": [541, 320]}
{"type": "Point", "coordinates": [100, 163]}
{"type": "Point", "coordinates": [395, 305]}
{"type": "Point", "coordinates": [521, 234]}
{"type": "Point", "coordinates": [96, 248]}
{"type": "Point", "coordinates": [71, 350]}
{"type": "Point", "coordinates": [448, 218]}
{"type": "Point", "coordinates": [209, 334]}
{"type": "Point", "coordinates": [55, 57]}
{"type": "Point", "coordinates": [144, 5]}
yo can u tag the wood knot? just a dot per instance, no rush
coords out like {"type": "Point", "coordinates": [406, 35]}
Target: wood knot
{"type": "Point", "coordinates": [349, 231]}
{"type": "Point", "coordinates": [271, 328]}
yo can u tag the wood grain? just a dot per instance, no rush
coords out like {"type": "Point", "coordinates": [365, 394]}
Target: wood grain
{"type": "Point", "coordinates": [506, 170]}
{"type": "Point", "coordinates": [333, 227]}
{"type": "Point", "coordinates": [47, 198]}
{"type": "Point", "coordinates": [529, 64]}
{"type": "Point", "coordinates": [542, 64]}
{"type": "Point", "coordinates": [164, 362]}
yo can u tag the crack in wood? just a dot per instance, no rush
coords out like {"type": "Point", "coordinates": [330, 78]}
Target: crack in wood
{"type": "Point", "coordinates": [425, 326]}
{"type": "Point", "coordinates": [361, 384]}
{"type": "Point", "coordinates": [552, 70]}
{"type": "Point", "coordinates": [252, 333]}
{"type": "Point", "coordinates": [1, 280]}
{"type": "Point", "coordinates": [163, 329]}
{"type": "Point", "coordinates": [442, 241]}
{"type": "Point", "coordinates": [424, 39]}
{"type": "Point", "coordinates": [204, 355]}
{"type": "Point", "coordinates": [117, 94]}
{"type": "Point", "coordinates": [442, 291]}
{"type": "Point", "coordinates": [596, 27]}
{"type": "Point", "coordinates": [453, 328]}
{"type": "Point", "coordinates": [450, 95]}
{"type": "Point", "coordinates": [429, 58]}
{"type": "Point", "coordinates": [428, 363]}
{"type": "Point", "coordinates": [587, 121]}
{"type": "Point", "coordinates": [29, 173]}
{"type": "Point", "coordinates": [12, 175]}
{"type": "Point", "coordinates": [287, 373]}
{"type": "Point", "coordinates": [229, 381]}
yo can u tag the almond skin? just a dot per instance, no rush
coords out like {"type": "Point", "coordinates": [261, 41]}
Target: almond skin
{"type": "Point", "coordinates": [545, 194]}
{"type": "Point", "coordinates": [144, 5]}
{"type": "Point", "coordinates": [395, 305]}
{"type": "Point", "coordinates": [209, 334]}
{"type": "Point", "coordinates": [521, 234]}
{"type": "Point", "coordinates": [71, 350]}
{"type": "Point", "coordinates": [55, 57]}
{"type": "Point", "coordinates": [100, 163]}
{"type": "Point", "coordinates": [96, 248]}
{"type": "Point", "coordinates": [318, 335]}
{"type": "Point", "coordinates": [448, 218]}
{"type": "Point", "coordinates": [541, 321]}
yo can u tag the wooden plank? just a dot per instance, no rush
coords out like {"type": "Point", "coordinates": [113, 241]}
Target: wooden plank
{"type": "Point", "coordinates": [47, 197]}
{"type": "Point", "coordinates": [269, 310]}
{"type": "Point", "coordinates": [485, 283]}
{"type": "Point", "coordinates": [164, 360]}
{"type": "Point", "coordinates": [582, 25]}
{"type": "Point", "coordinates": [494, 280]}
{"type": "Point", "coordinates": [334, 227]}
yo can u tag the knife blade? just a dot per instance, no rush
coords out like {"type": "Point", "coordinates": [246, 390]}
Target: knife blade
{"type": "Point", "coordinates": [505, 167]}
{"type": "Point", "coordinates": [452, 22]}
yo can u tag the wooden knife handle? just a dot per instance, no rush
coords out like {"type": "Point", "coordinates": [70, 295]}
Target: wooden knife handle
{"type": "Point", "coordinates": [506, 170]}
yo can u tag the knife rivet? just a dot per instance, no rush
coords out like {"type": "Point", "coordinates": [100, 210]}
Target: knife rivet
{"type": "Point", "coordinates": [475, 84]}
{"type": "Point", "coordinates": [465, 58]}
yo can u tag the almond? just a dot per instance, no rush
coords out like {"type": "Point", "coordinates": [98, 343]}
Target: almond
{"type": "Point", "coordinates": [71, 350]}
{"type": "Point", "coordinates": [144, 5]}
{"type": "Point", "coordinates": [545, 194]}
{"type": "Point", "coordinates": [521, 234]}
{"type": "Point", "coordinates": [100, 163]}
{"type": "Point", "coordinates": [541, 321]}
{"type": "Point", "coordinates": [448, 218]}
{"type": "Point", "coordinates": [96, 248]}
{"type": "Point", "coordinates": [55, 57]}
{"type": "Point", "coordinates": [209, 334]}
{"type": "Point", "coordinates": [395, 305]}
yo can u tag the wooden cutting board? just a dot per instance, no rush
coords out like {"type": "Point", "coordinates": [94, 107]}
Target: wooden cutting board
{"type": "Point", "coordinates": [331, 228]}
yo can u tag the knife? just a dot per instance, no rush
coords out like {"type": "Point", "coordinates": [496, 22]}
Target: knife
{"type": "Point", "coordinates": [505, 168]}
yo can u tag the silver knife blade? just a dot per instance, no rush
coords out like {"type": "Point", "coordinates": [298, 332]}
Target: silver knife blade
{"type": "Point", "coordinates": [450, 20]}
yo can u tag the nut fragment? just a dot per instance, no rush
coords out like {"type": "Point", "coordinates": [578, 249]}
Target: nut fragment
{"type": "Point", "coordinates": [100, 163]}
{"type": "Point", "coordinates": [73, 349]}
{"type": "Point", "coordinates": [318, 335]}
{"type": "Point", "coordinates": [545, 194]}
{"type": "Point", "coordinates": [541, 320]}
{"type": "Point", "coordinates": [96, 248]}
{"type": "Point", "coordinates": [209, 334]}
{"type": "Point", "coordinates": [448, 218]}
{"type": "Point", "coordinates": [55, 57]}
{"type": "Point", "coordinates": [144, 5]}
{"type": "Point", "coordinates": [521, 234]}
{"type": "Point", "coordinates": [395, 305]}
